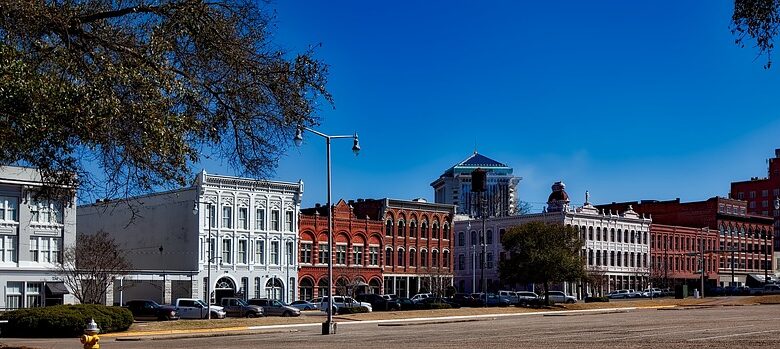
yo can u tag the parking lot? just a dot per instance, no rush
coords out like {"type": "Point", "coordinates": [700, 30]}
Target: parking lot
{"type": "Point", "coordinates": [711, 327]}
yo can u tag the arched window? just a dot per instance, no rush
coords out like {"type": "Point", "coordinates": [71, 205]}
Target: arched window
{"type": "Point", "coordinates": [590, 233]}
{"type": "Point", "coordinates": [590, 257]}
{"type": "Point", "coordinates": [424, 258]}
{"type": "Point", "coordinates": [612, 258]}
{"type": "Point", "coordinates": [401, 228]}
{"type": "Point", "coordinates": [619, 235]}
{"type": "Point", "coordinates": [625, 235]}
{"type": "Point", "coordinates": [412, 229]}
{"type": "Point", "coordinates": [644, 237]}
{"type": "Point", "coordinates": [424, 229]}
{"type": "Point", "coordinates": [598, 257]}
{"type": "Point", "coordinates": [633, 234]}
{"type": "Point", "coordinates": [401, 257]}
{"type": "Point", "coordinates": [619, 259]}
{"type": "Point", "coordinates": [461, 262]}
{"type": "Point", "coordinates": [306, 289]}
{"type": "Point", "coordinates": [389, 256]}
{"type": "Point", "coordinates": [412, 261]}
{"type": "Point", "coordinates": [274, 288]}
{"type": "Point", "coordinates": [435, 259]}
{"type": "Point", "coordinates": [611, 234]}
{"type": "Point", "coordinates": [461, 239]}
{"type": "Point", "coordinates": [446, 231]}
{"type": "Point", "coordinates": [389, 227]}
{"type": "Point", "coordinates": [473, 238]}
{"type": "Point", "coordinates": [445, 259]}
{"type": "Point", "coordinates": [435, 230]}
{"type": "Point", "coordinates": [489, 237]}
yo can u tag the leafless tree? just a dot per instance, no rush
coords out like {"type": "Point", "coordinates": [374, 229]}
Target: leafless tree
{"type": "Point", "coordinates": [87, 267]}
{"type": "Point", "coordinates": [597, 277]}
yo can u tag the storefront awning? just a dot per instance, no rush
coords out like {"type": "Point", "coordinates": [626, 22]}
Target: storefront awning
{"type": "Point", "coordinates": [760, 277]}
{"type": "Point", "coordinates": [56, 288]}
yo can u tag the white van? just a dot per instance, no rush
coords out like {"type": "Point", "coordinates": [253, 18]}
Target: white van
{"type": "Point", "coordinates": [509, 296]}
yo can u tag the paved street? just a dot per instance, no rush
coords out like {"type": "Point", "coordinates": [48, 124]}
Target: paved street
{"type": "Point", "coordinates": [714, 327]}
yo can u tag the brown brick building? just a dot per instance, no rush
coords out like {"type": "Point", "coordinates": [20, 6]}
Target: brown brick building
{"type": "Point", "coordinates": [417, 244]}
{"type": "Point", "coordinates": [357, 257]}
{"type": "Point", "coordinates": [670, 260]}
{"type": "Point", "coordinates": [743, 238]}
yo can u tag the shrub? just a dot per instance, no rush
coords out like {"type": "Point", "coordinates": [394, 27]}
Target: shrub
{"type": "Point", "coordinates": [65, 320]}
{"type": "Point", "coordinates": [596, 299]}
{"type": "Point", "coordinates": [436, 306]}
{"type": "Point", "coordinates": [539, 302]}
{"type": "Point", "coordinates": [353, 310]}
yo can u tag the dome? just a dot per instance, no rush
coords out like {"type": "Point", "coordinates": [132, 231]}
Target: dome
{"type": "Point", "coordinates": [558, 193]}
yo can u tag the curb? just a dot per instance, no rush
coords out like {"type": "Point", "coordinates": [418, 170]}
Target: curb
{"type": "Point", "coordinates": [585, 314]}
{"type": "Point", "coordinates": [401, 324]}
{"type": "Point", "coordinates": [199, 335]}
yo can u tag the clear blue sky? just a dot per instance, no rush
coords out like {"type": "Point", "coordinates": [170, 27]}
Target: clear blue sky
{"type": "Point", "coordinates": [630, 101]}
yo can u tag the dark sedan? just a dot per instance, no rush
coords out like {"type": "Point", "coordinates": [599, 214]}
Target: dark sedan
{"type": "Point", "coordinates": [378, 302]}
{"type": "Point", "coordinates": [144, 309]}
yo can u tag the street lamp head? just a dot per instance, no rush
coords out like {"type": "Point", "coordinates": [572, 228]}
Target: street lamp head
{"type": "Point", "coordinates": [777, 203]}
{"type": "Point", "coordinates": [356, 145]}
{"type": "Point", "coordinates": [298, 136]}
{"type": "Point", "coordinates": [195, 208]}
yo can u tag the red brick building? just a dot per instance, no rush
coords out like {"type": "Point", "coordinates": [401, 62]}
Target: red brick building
{"type": "Point", "coordinates": [747, 234]}
{"type": "Point", "coordinates": [417, 243]}
{"type": "Point", "coordinates": [357, 257]}
{"type": "Point", "coordinates": [761, 194]}
{"type": "Point", "coordinates": [670, 262]}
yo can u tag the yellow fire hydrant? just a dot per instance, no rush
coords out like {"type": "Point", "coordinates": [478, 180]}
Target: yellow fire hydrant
{"type": "Point", "coordinates": [90, 337]}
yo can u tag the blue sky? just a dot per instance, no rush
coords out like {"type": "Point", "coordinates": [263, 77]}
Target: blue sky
{"type": "Point", "coordinates": [627, 100]}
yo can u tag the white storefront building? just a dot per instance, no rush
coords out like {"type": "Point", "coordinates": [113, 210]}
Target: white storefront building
{"type": "Point", "coordinates": [33, 233]}
{"type": "Point", "coordinates": [253, 227]}
{"type": "Point", "coordinates": [616, 245]}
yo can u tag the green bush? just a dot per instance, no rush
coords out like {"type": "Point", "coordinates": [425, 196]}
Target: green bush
{"type": "Point", "coordinates": [436, 306]}
{"type": "Point", "coordinates": [596, 299]}
{"type": "Point", "coordinates": [65, 320]}
{"type": "Point", "coordinates": [353, 310]}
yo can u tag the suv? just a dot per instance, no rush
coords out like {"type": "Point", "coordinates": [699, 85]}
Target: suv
{"type": "Point", "coordinates": [524, 298]}
{"type": "Point", "coordinates": [616, 294]}
{"type": "Point", "coordinates": [239, 308]}
{"type": "Point", "coordinates": [273, 307]}
{"type": "Point", "coordinates": [509, 296]}
{"type": "Point", "coordinates": [378, 302]}
{"type": "Point", "coordinates": [420, 296]}
{"type": "Point", "coordinates": [343, 302]}
{"type": "Point", "coordinates": [560, 297]}
{"type": "Point", "coordinates": [150, 310]}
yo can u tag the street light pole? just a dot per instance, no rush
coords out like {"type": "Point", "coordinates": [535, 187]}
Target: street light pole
{"type": "Point", "coordinates": [328, 327]}
{"type": "Point", "coordinates": [703, 263]}
{"type": "Point", "coordinates": [209, 207]}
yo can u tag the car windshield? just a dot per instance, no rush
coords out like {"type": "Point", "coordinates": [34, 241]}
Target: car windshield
{"type": "Point", "coordinates": [200, 303]}
{"type": "Point", "coordinates": [241, 302]}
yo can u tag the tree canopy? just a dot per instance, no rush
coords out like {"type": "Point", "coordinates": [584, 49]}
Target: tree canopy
{"type": "Point", "coordinates": [144, 89]}
{"type": "Point", "coordinates": [542, 253]}
{"type": "Point", "coordinates": [757, 20]}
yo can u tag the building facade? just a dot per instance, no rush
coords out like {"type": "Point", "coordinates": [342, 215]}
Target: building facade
{"type": "Point", "coordinates": [616, 246]}
{"type": "Point", "coordinates": [454, 187]}
{"type": "Point", "coordinates": [763, 197]}
{"type": "Point", "coordinates": [357, 262]}
{"type": "Point", "coordinates": [745, 241]}
{"type": "Point", "coordinates": [675, 257]}
{"type": "Point", "coordinates": [246, 230]}
{"type": "Point", "coordinates": [33, 234]}
{"type": "Point", "coordinates": [417, 244]}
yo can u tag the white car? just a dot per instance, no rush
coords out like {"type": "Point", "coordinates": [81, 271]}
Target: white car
{"type": "Point", "coordinates": [560, 297]}
{"type": "Point", "coordinates": [618, 294]}
{"type": "Point", "coordinates": [343, 302]}
{"type": "Point", "coordinates": [420, 296]}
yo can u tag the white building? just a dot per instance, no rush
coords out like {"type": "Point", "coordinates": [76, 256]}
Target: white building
{"type": "Point", "coordinates": [33, 233]}
{"type": "Point", "coordinates": [454, 187]}
{"type": "Point", "coordinates": [616, 244]}
{"type": "Point", "coordinates": [254, 237]}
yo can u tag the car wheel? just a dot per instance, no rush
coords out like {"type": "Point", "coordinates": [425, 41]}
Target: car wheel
{"type": "Point", "coordinates": [286, 314]}
{"type": "Point", "coordinates": [250, 315]}
{"type": "Point", "coordinates": [569, 301]}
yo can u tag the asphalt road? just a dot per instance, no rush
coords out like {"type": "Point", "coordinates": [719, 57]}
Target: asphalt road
{"type": "Point", "coordinates": [713, 327]}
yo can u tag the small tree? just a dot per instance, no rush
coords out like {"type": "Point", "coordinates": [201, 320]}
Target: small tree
{"type": "Point", "coordinates": [88, 266]}
{"type": "Point", "coordinates": [542, 253]}
{"type": "Point", "coordinates": [596, 276]}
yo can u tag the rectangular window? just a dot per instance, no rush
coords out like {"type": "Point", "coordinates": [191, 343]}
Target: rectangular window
{"type": "Point", "coordinates": [33, 295]}
{"type": "Point", "coordinates": [227, 217]}
{"type": "Point", "coordinates": [13, 295]}
{"type": "Point", "coordinates": [752, 194]}
{"type": "Point", "coordinates": [242, 251]}
{"type": "Point", "coordinates": [8, 207]}
{"type": "Point", "coordinates": [373, 255]}
{"type": "Point", "coordinates": [776, 192]}
{"type": "Point", "coordinates": [289, 220]}
{"type": "Point", "coordinates": [275, 220]}
{"type": "Point", "coordinates": [245, 287]}
{"type": "Point", "coordinates": [741, 195]}
{"type": "Point", "coordinates": [227, 246]}
{"type": "Point", "coordinates": [275, 252]}
{"type": "Point", "coordinates": [765, 203]}
{"type": "Point", "coordinates": [290, 248]}
{"type": "Point", "coordinates": [765, 193]}
{"type": "Point", "coordinates": [243, 214]}
{"type": "Point", "coordinates": [210, 216]}
{"type": "Point", "coordinates": [306, 253]}
{"type": "Point", "coordinates": [260, 252]}
{"type": "Point", "coordinates": [357, 255]}
{"type": "Point", "coordinates": [260, 219]}
{"type": "Point", "coordinates": [322, 254]}
{"type": "Point", "coordinates": [341, 254]}
{"type": "Point", "coordinates": [752, 204]}
{"type": "Point", "coordinates": [34, 255]}
{"type": "Point", "coordinates": [8, 248]}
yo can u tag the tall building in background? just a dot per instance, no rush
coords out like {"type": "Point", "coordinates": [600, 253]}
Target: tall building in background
{"type": "Point", "coordinates": [761, 194]}
{"type": "Point", "coordinates": [454, 187]}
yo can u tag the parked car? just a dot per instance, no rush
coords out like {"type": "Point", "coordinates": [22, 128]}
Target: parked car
{"type": "Point", "coordinates": [420, 296]}
{"type": "Point", "coordinates": [492, 300]}
{"type": "Point", "coordinates": [526, 297]}
{"type": "Point", "coordinates": [341, 302]}
{"type": "Point", "coordinates": [652, 293]}
{"type": "Point", "coordinates": [632, 293]}
{"type": "Point", "coordinates": [144, 309]}
{"type": "Point", "coordinates": [509, 296]}
{"type": "Point", "coordinates": [618, 294]}
{"type": "Point", "coordinates": [427, 302]}
{"type": "Point", "coordinates": [273, 307]}
{"type": "Point", "coordinates": [237, 307]}
{"type": "Point", "coordinates": [560, 297]}
{"type": "Point", "coordinates": [305, 305]}
{"type": "Point", "coordinates": [193, 308]}
{"type": "Point", "coordinates": [767, 289]}
{"type": "Point", "coordinates": [407, 304]}
{"type": "Point", "coordinates": [466, 300]}
{"type": "Point", "coordinates": [378, 302]}
{"type": "Point", "coordinates": [389, 296]}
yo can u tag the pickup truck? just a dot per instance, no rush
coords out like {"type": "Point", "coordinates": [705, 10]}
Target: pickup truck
{"type": "Point", "coordinates": [767, 289]}
{"type": "Point", "coordinates": [192, 308]}
{"type": "Point", "coordinates": [237, 307]}
{"type": "Point", "coordinates": [146, 309]}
